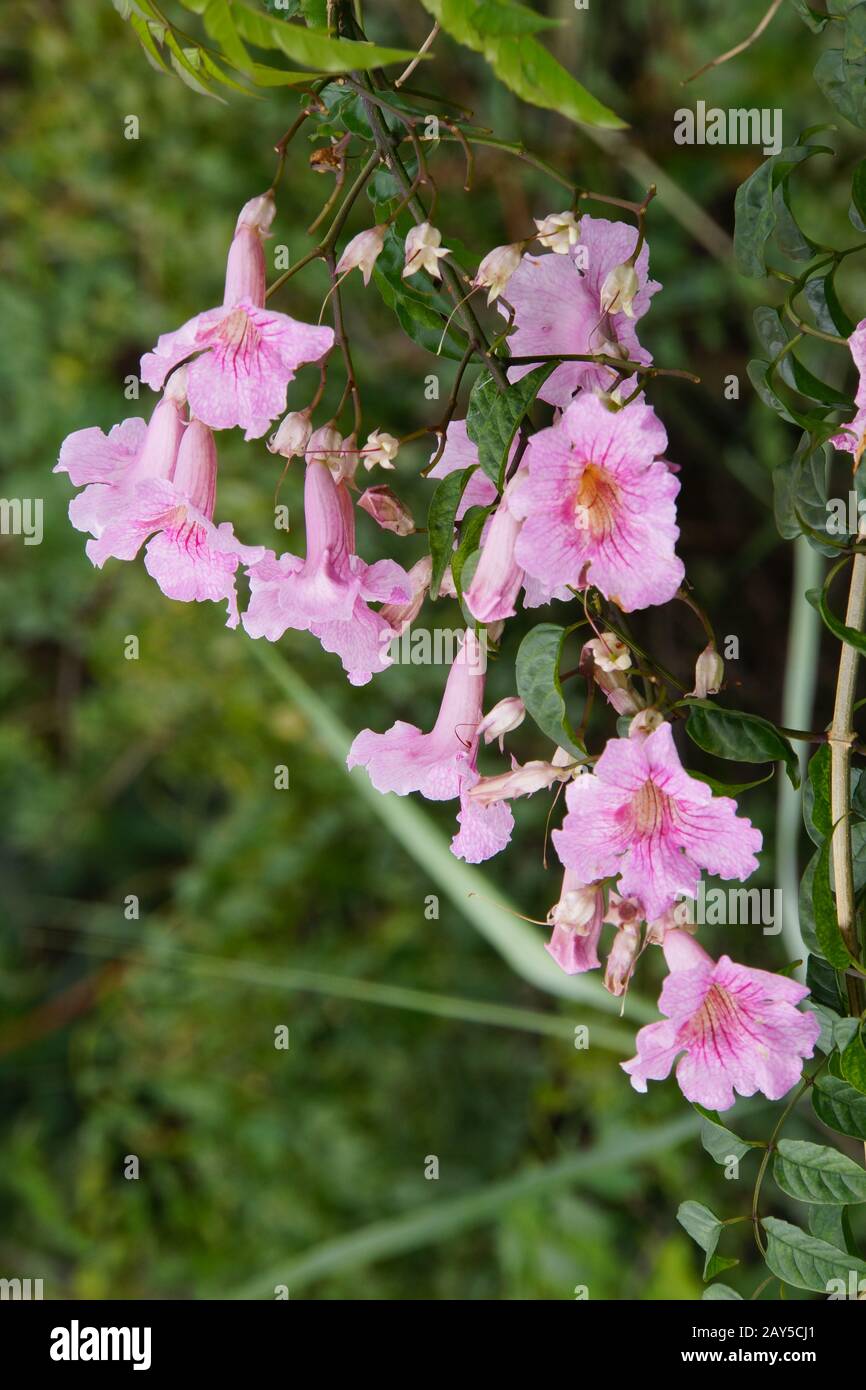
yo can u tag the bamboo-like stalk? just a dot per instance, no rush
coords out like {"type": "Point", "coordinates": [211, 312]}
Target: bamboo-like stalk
{"type": "Point", "coordinates": [840, 738]}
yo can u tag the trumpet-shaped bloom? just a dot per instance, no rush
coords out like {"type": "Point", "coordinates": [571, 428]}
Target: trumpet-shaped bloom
{"type": "Point", "coordinates": [558, 308]}
{"type": "Point", "coordinates": [599, 505]}
{"type": "Point", "coordinates": [496, 582]}
{"type": "Point", "coordinates": [242, 356]}
{"type": "Point", "coordinates": [191, 559]}
{"type": "Point", "coordinates": [328, 592]}
{"type": "Point", "coordinates": [640, 817]}
{"type": "Point", "coordinates": [577, 921]}
{"type": "Point", "coordinates": [442, 764]}
{"type": "Point", "coordinates": [733, 1029]}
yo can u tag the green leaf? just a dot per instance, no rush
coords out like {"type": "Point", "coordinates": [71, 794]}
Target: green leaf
{"type": "Point", "coordinates": [150, 35]}
{"type": "Point", "coordinates": [823, 984]}
{"type": "Point", "coordinates": [854, 1063]}
{"type": "Point", "coordinates": [842, 79]}
{"type": "Point", "coordinates": [538, 683]}
{"type": "Point", "coordinates": [521, 62]}
{"type": "Point", "coordinates": [704, 1228]}
{"type": "Point", "coordinates": [814, 18]}
{"type": "Point", "coordinates": [494, 415]}
{"type": "Point", "coordinates": [815, 1173]}
{"type": "Point", "coordinates": [833, 948]}
{"type": "Point", "coordinates": [720, 1143]}
{"type": "Point", "coordinates": [822, 299]}
{"type": "Point", "coordinates": [804, 1260]}
{"type": "Point", "coordinates": [840, 1106]}
{"type": "Point", "coordinates": [757, 210]}
{"type": "Point", "coordinates": [188, 66]}
{"type": "Point", "coordinates": [743, 738]}
{"type": "Point", "coordinates": [732, 789]}
{"type": "Point", "coordinates": [313, 47]}
{"type": "Point", "coordinates": [800, 498]}
{"type": "Point", "coordinates": [220, 25]}
{"type": "Point", "coordinates": [818, 600]}
{"type": "Point", "coordinates": [719, 1292]}
{"type": "Point", "coordinates": [832, 1224]}
{"type": "Point", "coordinates": [816, 796]}
{"type": "Point", "coordinates": [470, 534]}
{"type": "Point", "coordinates": [440, 522]}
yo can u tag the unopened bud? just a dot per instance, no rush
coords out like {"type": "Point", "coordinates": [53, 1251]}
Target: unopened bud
{"type": "Point", "coordinates": [619, 289]}
{"type": "Point", "coordinates": [362, 251]}
{"type": "Point", "coordinates": [292, 435]}
{"type": "Point", "coordinates": [497, 268]}
{"type": "Point", "coordinates": [620, 961]}
{"type": "Point", "coordinates": [387, 510]}
{"type": "Point", "coordinates": [507, 715]}
{"type": "Point", "coordinates": [520, 781]}
{"type": "Point", "coordinates": [399, 615]}
{"type": "Point", "coordinates": [645, 722]}
{"type": "Point", "coordinates": [709, 673]}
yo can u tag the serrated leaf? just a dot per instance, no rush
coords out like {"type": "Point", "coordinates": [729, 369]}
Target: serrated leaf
{"type": "Point", "coordinates": [805, 1261]}
{"type": "Point", "coordinates": [840, 1106]}
{"type": "Point", "coordinates": [744, 738]}
{"type": "Point", "coordinates": [494, 415]}
{"type": "Point", "coordinates": [538, 683]}
{"type": "Point", "coordinates": [816, 1173]}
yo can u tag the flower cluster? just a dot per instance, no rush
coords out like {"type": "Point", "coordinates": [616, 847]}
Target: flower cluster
{"type": "Point", "coordinates": [587, 507]}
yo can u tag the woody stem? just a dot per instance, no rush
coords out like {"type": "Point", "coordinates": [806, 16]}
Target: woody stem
{"type": "Point", "coordinates": [840, 738]}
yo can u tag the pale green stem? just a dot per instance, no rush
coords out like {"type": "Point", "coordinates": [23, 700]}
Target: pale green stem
{"type": "Point", "coordinates": [798, 698]}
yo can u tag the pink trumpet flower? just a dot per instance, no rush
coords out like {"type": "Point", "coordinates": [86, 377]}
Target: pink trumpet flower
{"type": "Point", "coordinates": [442, 764]}
{"type": "Point", "coordinates": [328, 592]}
{"type": "Point", "coordinates": [733, 1029]}
{"type": "Point", "coordinates": [641, 817]}
{"type": "Point", "coordinates": [242, 355]}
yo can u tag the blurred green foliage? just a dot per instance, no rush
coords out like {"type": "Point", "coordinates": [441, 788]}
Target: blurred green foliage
{"type": "Point", "coordinates": [155, 777]}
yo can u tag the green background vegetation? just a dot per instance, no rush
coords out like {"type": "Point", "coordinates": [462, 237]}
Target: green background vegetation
{"type": "Point", "coordinates": [155, 777]}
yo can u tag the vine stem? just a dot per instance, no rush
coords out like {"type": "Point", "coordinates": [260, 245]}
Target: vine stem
{"type": "Point", "coordinates": [840, 738]}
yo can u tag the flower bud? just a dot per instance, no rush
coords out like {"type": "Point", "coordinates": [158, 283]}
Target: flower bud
{"type": "Point", "coordinates": [387, 510]}
{"type": "Point", "coordinates": [245, 268]}
{"type": "Point", "coordinates": [621, 959]}
{"type": "Point", "coordinates": [520, 781]}
{"type": "Point", "coordinates": [381, 449]}
{"type": "Point", "coordinates": [175, 387]}
{"type": "Point", "coordinates": [292, 435]}
{"type": "Point", "coordinates": [576, 909]}
{"type": "Point", "coordinates": [645, 722]}
{"type": "Point", "coordinates": [362, 251]}
{"type": "Point", "coordinates": [504, 717]}
{"type": "Point", "coordinates": [614, 683]}
{"type": "Point", "coordinates": [424, 251]}
{"type": "Point", "coordinates": [195, 472]}
{"type": "Point", "coordinates": [619, 289]}
{"type": "Point", "coordinates": [326, 445]}
{"type": "Point", "coordinates": [558, 232]}
{"type": "Point", "coordinates": [497, 268]}
{"type": "Point", "coordinates": [709, 673]}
